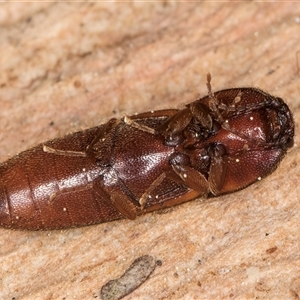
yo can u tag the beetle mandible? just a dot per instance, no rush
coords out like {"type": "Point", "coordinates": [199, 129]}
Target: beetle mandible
{"type": "Point", "coordinates": [127, 167]}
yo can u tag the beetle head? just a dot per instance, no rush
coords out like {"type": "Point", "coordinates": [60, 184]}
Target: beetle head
{"type": "Point", "coordinates": [255, 130]}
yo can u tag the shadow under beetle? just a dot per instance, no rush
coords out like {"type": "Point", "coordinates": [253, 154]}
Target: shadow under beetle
{"type": "Point", "coordinates": [130, 166]}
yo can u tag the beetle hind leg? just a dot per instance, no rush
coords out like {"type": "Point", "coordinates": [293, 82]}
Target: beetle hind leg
{"type": "Point", "coordinates": [129, 121]}
{"type": "Point", "coordinates": [121, 203]}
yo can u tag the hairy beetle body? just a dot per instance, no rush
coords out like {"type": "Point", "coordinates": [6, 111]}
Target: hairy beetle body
{"type": "Point", "coordinates": [124, 168]}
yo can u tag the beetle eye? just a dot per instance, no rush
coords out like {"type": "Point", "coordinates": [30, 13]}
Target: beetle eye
{"type": "Point", "coordinates": [281, 130]}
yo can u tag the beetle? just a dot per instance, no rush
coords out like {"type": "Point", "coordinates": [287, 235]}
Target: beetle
{"type": "Point", "coordinates": [127, 167]}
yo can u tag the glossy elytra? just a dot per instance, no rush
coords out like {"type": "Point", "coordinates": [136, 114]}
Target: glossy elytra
{"type": "Point", "coordinates": [130, 166]}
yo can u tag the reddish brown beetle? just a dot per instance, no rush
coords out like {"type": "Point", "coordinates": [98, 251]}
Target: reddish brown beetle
{"type": "Point", "coordinates": [124, 168]}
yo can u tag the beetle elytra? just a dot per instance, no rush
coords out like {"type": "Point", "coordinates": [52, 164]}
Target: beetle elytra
{"type": "Point", "coordinates": [127, 167]}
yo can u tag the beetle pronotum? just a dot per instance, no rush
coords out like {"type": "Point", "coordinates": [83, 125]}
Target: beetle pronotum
{"type": "Point", "coordinates": [127, 167]}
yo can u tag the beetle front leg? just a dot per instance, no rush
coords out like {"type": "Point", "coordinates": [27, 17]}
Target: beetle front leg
{"type": "Point", "coordinates": [175, 124]}
{"type": "Point", "coordinates": [179, 121]}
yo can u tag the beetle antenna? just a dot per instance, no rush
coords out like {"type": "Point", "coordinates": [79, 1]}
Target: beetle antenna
{"type": "Point", "coordinates": [213, 101]}
{"type": "Point", "coordinates": [208, 84]}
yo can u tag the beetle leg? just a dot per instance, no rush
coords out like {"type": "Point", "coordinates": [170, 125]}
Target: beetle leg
{"type": "Point", "coordinates": [155, 114]}
{"type": "Point", "coordinates": [106, 129]}
{"type": "Point", "coordinates": [205, 114]}
{"type": "Point", "coordinates": [190, 177]}
{"type": "Point", "coordinates": [150, 189]}
{"type": "Point", "coordinates": [119, 201]}
{"type": "Point", "coordinates": [132, 123]}
{"type": "Point", "coordinates": [217, 175]}
{"type": "Point", "coordinates": [66, 191]}
{"type": "Point", "coordinates": [48, 149]}
{"type": "Point", "coordinates": [201, 114]}
{"type": "Point", "coordinates": [101, 135]}
{"type": "Point", "coordinates": [183, 175]}
{"type": "Point", "coordinates": [176, 124]}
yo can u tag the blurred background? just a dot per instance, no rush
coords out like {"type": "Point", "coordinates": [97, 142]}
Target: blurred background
{"type": "Point", "coordinates": [65, 67]}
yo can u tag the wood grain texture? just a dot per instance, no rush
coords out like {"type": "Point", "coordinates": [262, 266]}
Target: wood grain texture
{"type": "Point", "coordinates": [65, 67]}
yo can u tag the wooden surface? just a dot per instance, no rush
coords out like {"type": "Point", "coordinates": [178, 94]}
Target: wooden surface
{"type": "Point", "coordinates": [65, 67]}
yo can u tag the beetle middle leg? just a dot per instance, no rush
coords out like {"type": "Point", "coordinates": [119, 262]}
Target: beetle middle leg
{"type": "Point", "coordinates": [150, 189]}
{"type": "Point", "coordinates": [180, 174]}
{"type": "Point", "coordinates": [193, 180]}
